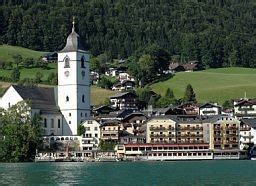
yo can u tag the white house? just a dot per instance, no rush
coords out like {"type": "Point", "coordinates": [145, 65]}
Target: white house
{"type": "Point", "coordinates": [91, 137]}
{"type": "Point", "coordinates": [245, 108]}
{"type": "Point", "coordinates": [247, 133]}
{"type": "Point", "coordinates": [209, 109]}
{"type": "Point", "coordinates": [63, 107]}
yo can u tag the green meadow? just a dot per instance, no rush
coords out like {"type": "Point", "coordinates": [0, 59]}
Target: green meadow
{"type": "Point", "coordinates": [7, 51]}
{"type": "Point", "coordinates": [215, 85]}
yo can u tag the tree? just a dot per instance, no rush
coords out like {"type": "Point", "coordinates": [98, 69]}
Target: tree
{"type": "Point", "coordinates": [17, 59]}
{"type": "Point", "coordinates": [15, 75]}
{"type": "Point", "coordinates": [53, 78]}
{"type": "Point", "coordinates": [169, 93]}
{"type": "Point", "coordinates": [19, 133]}
{"type": "Point", "coordinates": [28, 62]}
{"type": "Point", "coordinates": [38, 77]}
{"type": "Point", "coordinates": [80, 130]}
{"type": "Point", "coordinates": [190, 95]}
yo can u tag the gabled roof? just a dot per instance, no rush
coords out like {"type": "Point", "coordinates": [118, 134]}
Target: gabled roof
{"type": "Point", "coordinates": [129, 116]}
{"type": "Point", "coordinates": [246, 102]}
{"type": "Point", "coordinates": [209, 105]}
{"type": "Point", "coordinates": [251, 122]}
{"type": "Point", "coordinates": [41, 97]}
{"type": "Point", "coordinates": [122, 94]}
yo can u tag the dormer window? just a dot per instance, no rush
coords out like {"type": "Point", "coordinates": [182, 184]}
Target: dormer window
{"type": "Point", "coordinates": [82, 62]}
{"type": "Point", "coordinates": [66, 61]}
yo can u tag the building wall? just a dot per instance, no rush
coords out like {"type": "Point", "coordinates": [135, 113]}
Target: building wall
{"type": "Point", "coordinates": [210, 111]}
{"type": "Point", "coordinates": [52, 124]}
{"type": "Point", "coordinates": [224, 133]}
{"type": "Point", "coordinates": [10, 98]}
{"type": "Point", "coordinates": [160, 130]}
{"type": "Point", "coordinates": [75, 86]}
{"type": "Point", "coordinates": [91, 137]}
{"type": "Point", "coordinates": [109, 132]}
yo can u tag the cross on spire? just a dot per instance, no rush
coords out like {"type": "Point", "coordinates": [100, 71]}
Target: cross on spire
{"type": "Point", "coordinates": [73, 28]}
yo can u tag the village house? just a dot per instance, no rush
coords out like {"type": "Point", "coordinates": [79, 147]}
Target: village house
{"type": "Point", "coordinates": [247, 133]}
{"type": "Point", "coordinates": [124, 76]}
{"type": "Point", "coordinates": [124, 100]}
{"type": "Point", "coordinates": [91, 137]}
{"type": "Point", "coordinates": [209, 109]}
{"type": "Point", "coordinates": [109, 130]}
{"type": "Point", "coordinates": [94, 77]}
{"type": "Point", "coordinates": [189, 108]}
{"type": "Point", "coordinates": [124, 85]}
{"type": "Point", "coordinates": [245, 108]}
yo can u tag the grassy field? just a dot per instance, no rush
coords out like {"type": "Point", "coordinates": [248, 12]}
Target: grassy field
{"type": "Point", "coordinates": [7, 51]}
{"type": "Point", "coordinates": [31, 72]}
{"type": "Point", "coordinates": [216, 85]}
{"type": "Point", "coordinates": [98, 95]}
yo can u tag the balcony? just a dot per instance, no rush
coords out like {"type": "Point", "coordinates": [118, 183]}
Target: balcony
{"type": "Point", "coordinates": [158, 129]}
{"type": "Point", "coordinates": [190, 128]}
{"type": "Point", "coordinates": [217, 142]}
{"type": "Point", "coordinates": [158, 135]}
{"type": "Point", "coordinates": [245, 128]}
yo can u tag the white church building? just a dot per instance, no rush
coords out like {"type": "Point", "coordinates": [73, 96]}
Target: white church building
{"type": "Point", "coordinates": [63, 107]}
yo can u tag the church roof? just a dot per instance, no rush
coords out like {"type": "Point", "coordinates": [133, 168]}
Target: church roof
{"type": "Point", "coordinates": [73, 42]}
{"type": "Point", "coordinates": [41, 97]}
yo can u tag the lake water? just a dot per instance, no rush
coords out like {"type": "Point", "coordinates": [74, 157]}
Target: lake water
{"type": "Point", "coordinates": [131, 173]}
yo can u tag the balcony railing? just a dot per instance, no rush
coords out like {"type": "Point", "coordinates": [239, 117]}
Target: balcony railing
{"type": "Point", "coordinates": [158, 128]}
{"type": "Point", "coordinates": [190, 128]}
{"type": "Point", "coordinates": [245, 128]}
{"type": "Point", "coordinates": [158, 135]}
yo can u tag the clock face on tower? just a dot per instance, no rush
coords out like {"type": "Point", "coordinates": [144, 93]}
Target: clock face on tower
{"type": "Point", "coordinates": [66, 73]}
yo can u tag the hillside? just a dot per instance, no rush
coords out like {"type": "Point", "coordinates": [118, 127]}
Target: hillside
{"type": "Point", "coordinates": [7, 51]}
{"type": "Point", "coordinates": [98, 95]}
{"type": "Point", "coordinates": [215, 85]}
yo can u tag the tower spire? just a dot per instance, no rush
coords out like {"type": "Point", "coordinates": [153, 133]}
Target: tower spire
{"type": "Point", "coordinates": [73, 22]}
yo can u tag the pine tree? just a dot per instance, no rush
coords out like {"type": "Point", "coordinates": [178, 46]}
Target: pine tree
{"type": "Point", "coordinates": [190, 95]}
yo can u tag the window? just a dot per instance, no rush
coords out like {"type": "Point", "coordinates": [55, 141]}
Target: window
{"type": "Point", "coordinates": [81, 114]}
{"type": "Point", "coordinates": [45, 123]}
{"type": "Point", "coordinates": [9, 104]}
{"type": "Point", "coordinates": [69, 114]}
{"type": "Point", "coordinates": [83, 99]}
{"type": "Point", "coordinates": [67, 98]}
{"type": "Point", "coordinates": [52, 123]}
{"type": "Point", "coordinates": [69, 122]}
{"type": "Point", "coordinates": [96, 128]}
{"type": "Point", "coordinates": [66, 61]}
{"type": "Point", "coordinates": [59, 123]}
{"type": "Point", "coordinates": [82, 62]}
{"type": "Point", "coordinates": [96, 135]}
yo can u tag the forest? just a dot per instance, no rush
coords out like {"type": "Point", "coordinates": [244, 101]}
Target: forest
{"type": "Point", "coordinates": [216, 33]}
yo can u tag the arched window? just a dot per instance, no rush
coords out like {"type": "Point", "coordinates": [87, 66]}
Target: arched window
{"type": "Point", "coordinates": [82, 62]}
{"type": "Point", "coordinates": [67, 99]}
{"type": "Point", "coordinates": [83, 99]}
{"type": "Point", "coordinates": [66, 61]}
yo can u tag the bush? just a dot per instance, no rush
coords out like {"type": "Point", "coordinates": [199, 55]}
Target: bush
{"type": "Point", "coordinates": [15, 75]}
{"type": "Point", "coordinates": [52, 78]}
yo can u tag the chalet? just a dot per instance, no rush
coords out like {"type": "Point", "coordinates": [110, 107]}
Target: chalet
{"type": "Point", "coordinates": [109, 130]}
{"type": "Point", "coordinates": [190, 108]}
{"type": "Point", "coordinates": [125, 100]}
{"type": "Point", "coordinates": [176, 67]}
{"type": "Point", "coordinates": [52, 56]}
{"type": "Point", "coordinates": [124, 85]}
{"type": "Point", "coordinates": [124, 76]}
{"type": "Point", "coordinates": [192, 66]}
{"type": "Point", "coordinates": [104, 109]}
{"type": "Point", "coordinates": [245, 108]}
{"type": "Point", "coordinates": [209, 109]}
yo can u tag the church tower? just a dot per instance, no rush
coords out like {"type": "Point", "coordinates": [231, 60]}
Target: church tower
{"type": "Point", "coordinates": [73, 83]}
